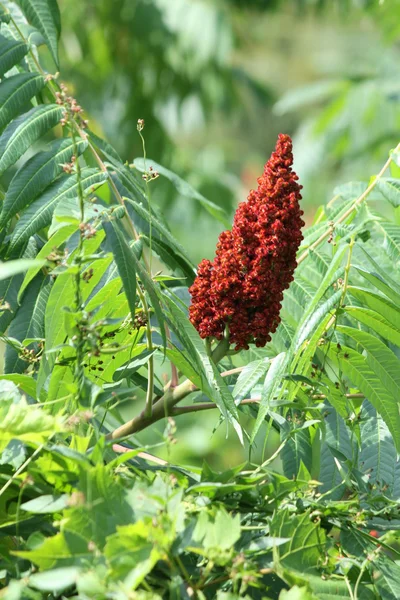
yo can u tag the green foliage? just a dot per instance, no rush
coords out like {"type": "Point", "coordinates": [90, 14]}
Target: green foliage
{"type": "Point", "coordinates": [94, 295]}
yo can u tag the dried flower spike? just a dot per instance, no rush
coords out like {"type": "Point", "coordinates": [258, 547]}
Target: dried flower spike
{"type": "Point", "coordinates": [255, 261]}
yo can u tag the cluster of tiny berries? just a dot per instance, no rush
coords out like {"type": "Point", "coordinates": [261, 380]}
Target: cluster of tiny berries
{"type": "Point", "coordinates": [255, 261]}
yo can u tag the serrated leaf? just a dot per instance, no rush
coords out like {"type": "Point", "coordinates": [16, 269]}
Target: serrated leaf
{"type": "Point", "coordinates": [11, 53]}
{"type": "Point", "coordinates": [382, 282]}
{"type": "Point", "coordinates": [390, 189]}
{"type": "Point", "coordinates": [271, 383]}
{"type": "Point", "coordinates": [36, 174]}
{"type": "Point", "coordinates": [336, 438]}
{"type": "Point", "coordinates": [377, 303]}
{"type": "Point", "coordinates": [249, 377]}
{"type": "Point", "coordinates": [54, 242]}
{"type": "Point", "coordinates": [295, 452]}
{"type": "Point", "coordinates": [379, 357]}
{"type": "Point", "coordinates": [125, 260]}
{"type": "Point", "coordinates": [307, 543]}
{"type": "Point", "coordinates": [375, 321]}
{"type": "Point", "coordinates": [357, 369]}
{"type": "Point", "coordinates": [30, 322]}
{"type": "Point", "coordinates": [391, 242]}
{"type": "Point", "coordinates": [25, 130]}
{"type": "Point", "coordinates": [184, 188]}
{"type": "Point", "coordinates": [38, 215]}
{"type": "Point", "coordinates": [45, 16]}
{"type": "Point", "coordinates": [15, 92]}
{"type": "Point", "coordinates": [378, 454]}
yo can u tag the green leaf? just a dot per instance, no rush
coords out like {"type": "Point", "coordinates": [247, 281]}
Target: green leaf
{"type": "Point", "coordinates": [183, 365]}
{"type": "Point", "coordinates": [36, 174]}
{"type": "Point", "coordinates": [383, 282]}
{"type": "Point", "coordinates": [166, 236]}
{"type": "Point", "coordinates": [55, 581]}
{"type": "Point", "coordinates": [45, 16]}
{"type": "Point", "coordinates": [379, 357]}
{"type": "Point", "coordinates": [29, 323]}
{"type": "Point", "coordinates": [14, 267]}
{"type": "Point", "coordinates": [15, 92]}
{"type": "Point", "coordinates": [25, 382]}
{"type": "Point", "coordinates": [271, 383]}
{"type": "Point", "coordinates": [212, 382]}
{"type": "Point", "coordinates": [25, 130]}
{"type": "Point", "coordinates": [54, 242]}
{"type": "Point", "coordinates": [336, 438]}
{"type": "Point", "coordinates": [377, 303]}
{"type": "Point", "coordinates": [307, 544]}
{"type": "Point", "coordinates": [38, 215]}
{"type": "Point", "coordinates": [378, 454]}
{"type": "Point", "coordinates": [390, 189]}
{"type": "Point", "coordinates": [25, 422]}
{"type": "Point", "coordinates": [125, 260]}
{"type": "Point", "coordinates": [249, 377]}
{"type": "Point", "coordinates": [391, 242]}
{"type": "Point", "coordinates": [357, 369]}
{"type": "Point", "coordinates": [375, 321]}
{"type": "Point", "coordinates": [47, 503]}
{"type": "Point", "coordinates": [295, 452]}
{"type": "Point", "coordinates": [11, 53]}
{"type": "Point", "coordinates": [184, 188]}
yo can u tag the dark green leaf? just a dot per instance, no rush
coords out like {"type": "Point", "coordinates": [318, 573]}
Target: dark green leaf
{"type": "Point", "coordinates": [45, 16]}
{"type": "Point", "coordinates": [15, 92]}
{"type": "Point", "coordinates": [26, 129]}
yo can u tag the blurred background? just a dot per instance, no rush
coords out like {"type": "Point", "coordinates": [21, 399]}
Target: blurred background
{"type": "Point", "coordinates": [215, 82]}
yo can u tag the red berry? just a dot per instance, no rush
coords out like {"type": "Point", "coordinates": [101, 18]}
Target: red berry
{"type": "Point", "coordinates": [254, 261]}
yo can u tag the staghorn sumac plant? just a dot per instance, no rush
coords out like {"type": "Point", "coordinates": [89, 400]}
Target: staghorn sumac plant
{"type": "Point", "coordinates": [95, 305]}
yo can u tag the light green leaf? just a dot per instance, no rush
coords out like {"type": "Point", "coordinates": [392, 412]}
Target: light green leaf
{"type": "Point", "coordinates": [54, 242]}
{"type": "Point", "coordinates": [379, 357]}
{"type": "Point", "coordinates": [11, 53]}
{"type": "Point", "coordinates": [26, 129]}
{"type": "Point", "coordinates": [375, 321]}
{"type": "Point", "coordinates": [48, 503]}
{"type": "Point", "coordinates": [390, 189]}
{"type": "Point", "coordinates": [36, 174]}
{"type": "Point", "coordinates": [378, 303]}
{"type": "Point", "coordinates": [14, 267]}
{"type": "Point", "coordinates": [25, 382]}
{"type": "Point", "coordinates": [271, 383]}
{"type": "Point", "coordinates": [25, 422]}
{"type": "Point", "coordinates": [45, 16]}
{"type": "Point", "coordinates": [184, 188]}
{"type": "Point", "coordinates": [15, 92]}
{"type": "Point", "coordinates": [249, 377]}
{"type": "Point", "coordinates": [391, 242]}
{"type": "Point", "coordinates": [212, 382]}
{"type": "Point", "coordinates": [125, 260]}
